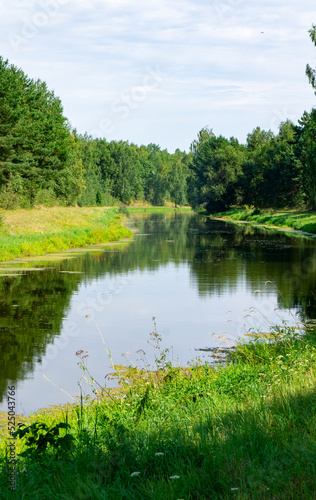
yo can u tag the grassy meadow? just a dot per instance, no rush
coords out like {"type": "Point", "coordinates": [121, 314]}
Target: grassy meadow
{"type": "Point", "coordinates": [242, 430]}
{"type": "Point", "coordinates": [46, 230]}
{"type": "Point", "coordinates": [289, 219]}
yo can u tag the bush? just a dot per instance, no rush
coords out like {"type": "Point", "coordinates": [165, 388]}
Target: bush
{"type": "Point", "coordinates": [99, 199]}
{"type": "Point", "coordinates": [47, 198]}
{"type": "Point", "coordinates": [256, 211]}
{"type": "Point", "coordinates": [123, 210]}
{"type": "Point", "coordinates": [10, 200]}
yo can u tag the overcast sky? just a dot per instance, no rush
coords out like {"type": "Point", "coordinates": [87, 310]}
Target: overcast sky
{"type": "Point", "coordinates": [160, 70]}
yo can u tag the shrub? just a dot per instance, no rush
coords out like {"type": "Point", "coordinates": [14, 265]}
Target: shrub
{"type": "Point", "coordinates": [10, 200]}
{"type": "Point", "coordinates": [47, 198]}
{"type": "Point", "coordinates": [256, 211]}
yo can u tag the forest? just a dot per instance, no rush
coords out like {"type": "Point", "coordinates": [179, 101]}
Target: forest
{"type": "Point", "coordinates": [43, 161]}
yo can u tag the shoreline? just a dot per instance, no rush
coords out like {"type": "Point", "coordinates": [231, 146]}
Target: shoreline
{"type": "Point", "coordinates": [287, 230]}
{"type": "Point", "coordinates": [293, 222]}
{"type": "Point", "coordinates": [171, 431]}
{"type": "Point", "coordinates": [38, 232]}
{"type": "Point", "coordinates": [51, 230]}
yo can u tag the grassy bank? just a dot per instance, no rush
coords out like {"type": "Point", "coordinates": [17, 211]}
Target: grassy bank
{"type": "Point", "coordinates": [247, 430]}
{"type": "Point", "coordinates": [46, 230]}
{"type": "Point", "coordinates": [150, 209]}
{"type": "Point", "coordinates": [290, 219]}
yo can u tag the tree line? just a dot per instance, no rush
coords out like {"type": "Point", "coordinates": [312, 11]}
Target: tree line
{"type": "Point", "coordinates": [118, 170]}
{"type": "Point", "coordinates": [44, 161]}
{"type": "Point", "coordinates": [269, 171]}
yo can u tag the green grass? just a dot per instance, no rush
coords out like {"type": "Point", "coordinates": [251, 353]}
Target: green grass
{"type": "Point", "coordinates": [50, 230]}
{"type": "Point", "coordinates": [247, 430]}
{"type": "Point", "coordinates": [294, 219]}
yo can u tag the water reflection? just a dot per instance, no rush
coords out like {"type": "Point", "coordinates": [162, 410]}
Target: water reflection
{"type": "Point", "coordinates": [189, 271]}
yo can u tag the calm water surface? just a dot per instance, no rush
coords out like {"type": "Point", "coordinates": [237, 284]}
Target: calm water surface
{"type": "Point", "coordinates": [201, 279]}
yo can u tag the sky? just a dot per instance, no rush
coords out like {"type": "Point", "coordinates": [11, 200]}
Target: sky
{"type": "Point", "coordinates": [159, 71]}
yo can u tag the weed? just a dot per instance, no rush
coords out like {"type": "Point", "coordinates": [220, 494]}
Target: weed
{"type": "Point", "coordinates": [123, 210]}
{"type": "Point", "coordinates": [38, 436]}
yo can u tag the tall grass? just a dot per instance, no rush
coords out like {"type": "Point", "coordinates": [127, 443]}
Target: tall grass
{"type": "Point", "coordinates": [244, 430]}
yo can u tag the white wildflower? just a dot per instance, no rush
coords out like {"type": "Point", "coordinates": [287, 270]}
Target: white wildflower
{"type": "Point", "coordinates": [174, 477]}
{"type": "Point", "coordinates": [159, 454]}
{"type": "Point", "coordinates": [133, 474]}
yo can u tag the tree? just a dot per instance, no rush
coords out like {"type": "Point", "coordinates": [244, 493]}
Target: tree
{"type": "Point", "coordinates": [258, 138]}
{"type": "Point", "coordinates": [310, 72]}
{"type": "Point", "coordinates": [307, 151]}
{"type": "Point", "coordinates": [177, 178]}
{"type": "Point", "coordinates": [37, 149]}
{"type": "Point", "coordinates": [217, 167]}
{"type": "Point", "coordinates": [271, 173]}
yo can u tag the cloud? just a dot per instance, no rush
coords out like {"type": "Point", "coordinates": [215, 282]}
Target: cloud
{"type": "Point", "coordinates": [218, 65]}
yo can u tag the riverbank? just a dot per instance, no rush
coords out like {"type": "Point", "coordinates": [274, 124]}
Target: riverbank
{"type": "Point", "coordinates": [151, 209]}
{"type": "Point", "coordinates": [286, 219]}
{"type": "Point", "coordinates": [247, 430]}
{"type": "Point", "coordinates": [47, 230]}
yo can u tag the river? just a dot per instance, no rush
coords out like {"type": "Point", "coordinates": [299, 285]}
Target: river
{"type": "Point", "coordinates": [206, 283]}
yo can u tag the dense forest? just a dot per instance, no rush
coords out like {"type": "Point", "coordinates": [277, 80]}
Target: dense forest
{"type": "Point", "coordinates": [44, 161]}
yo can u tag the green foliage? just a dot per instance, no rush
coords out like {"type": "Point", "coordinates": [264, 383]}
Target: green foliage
{"type": "Point", "coordinates": [123, 210]}
{"type": "Point", "coordinates": [307, 151]}
{"type": "Point", "coordinates": [98, 199]}
{"type": "Point", "coordinates": [258, 138]}
{"type": "Point", "coordinates": [310, 72]}
{"type": "Point", "coordinates": [125, 172]}
{"type": "Point", "coordinates": [38, 436]}
{"type": "Point", "coordinates": [47, 198]}
{"type": "Point", "coordinates": [216, 166]}
{"type": "Point", "coordinates": [37, 150]}
{"type": "Point", "coordinates": [273, 169]}
{"type": "Point", "coordinates": [12, 200]}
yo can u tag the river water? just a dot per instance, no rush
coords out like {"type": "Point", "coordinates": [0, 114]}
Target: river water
{"type": "Point", "coordinates": [206, 283]}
